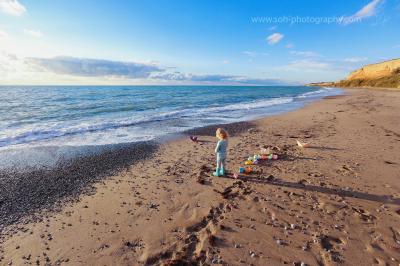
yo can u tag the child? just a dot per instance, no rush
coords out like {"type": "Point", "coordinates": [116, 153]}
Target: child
{"type": "Point", "coordinates": [220, 150]}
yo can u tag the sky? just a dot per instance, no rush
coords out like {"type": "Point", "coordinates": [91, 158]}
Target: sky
{"type": "Point", "coordinates": [203, 42]}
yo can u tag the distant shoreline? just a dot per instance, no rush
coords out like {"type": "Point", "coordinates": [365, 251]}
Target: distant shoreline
{"type": "Point", "coordinates": [329, 84]}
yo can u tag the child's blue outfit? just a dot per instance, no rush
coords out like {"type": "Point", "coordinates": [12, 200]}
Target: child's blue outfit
{"type": "Point", "coordinates": [221, 150]}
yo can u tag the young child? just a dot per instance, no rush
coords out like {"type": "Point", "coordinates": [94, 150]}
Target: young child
{"type": "Point", "coordinates": [220, 150]}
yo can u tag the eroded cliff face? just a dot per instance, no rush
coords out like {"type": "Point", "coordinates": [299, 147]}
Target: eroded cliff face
{"type": "Point", "coordinates": [376, 71]}
{"type": "Point", "coordinates": [380, 75]}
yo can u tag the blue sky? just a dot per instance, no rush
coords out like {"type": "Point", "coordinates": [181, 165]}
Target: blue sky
{"type": "Point", "coordinates": [193, 42]}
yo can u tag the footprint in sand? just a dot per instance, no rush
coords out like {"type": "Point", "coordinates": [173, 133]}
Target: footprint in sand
{"type": "Point", "coordinates": [364, 215]}
{"type": "Point", "coordinates": [332, 245]}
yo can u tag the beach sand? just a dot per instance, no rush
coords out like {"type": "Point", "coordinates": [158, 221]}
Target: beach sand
{"type": "Point", "coordinates": [336, 202]}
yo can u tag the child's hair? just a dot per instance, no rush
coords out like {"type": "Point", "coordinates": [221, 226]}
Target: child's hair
{"type": "Point", "coordinates": [221, 133]}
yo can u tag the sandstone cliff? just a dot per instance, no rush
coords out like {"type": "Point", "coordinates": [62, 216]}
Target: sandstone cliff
{"type": "Point", "coordinates": [385, 74]}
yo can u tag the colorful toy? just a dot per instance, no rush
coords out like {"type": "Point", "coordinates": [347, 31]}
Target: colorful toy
{"type": "Point", "coordinates": [236, 175]}
{"type": "Point", "coordinates": [264, 157]}
{"type": "Point", "coordinates": [275, 157]}
{"type": "Point", "coordinates": [241, 170]}
{"type": "Point", "coordinates": [248, 170]}
{"type": "Point", "coordinates": [270, 157]}
{"type": "Point", "coordinates": [248, 162]}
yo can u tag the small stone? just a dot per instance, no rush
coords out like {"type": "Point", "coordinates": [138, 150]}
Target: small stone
{"type": "Point", "coordinates": [280, 242]}
{"type": "Point", "coordinates": [215, 261]}
{"type": "Point", "coordinates": [299, 263]}
{"type": "Point", "coordinates": [153, 206]}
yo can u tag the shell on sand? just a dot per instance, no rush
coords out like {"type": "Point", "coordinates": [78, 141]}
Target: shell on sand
{"type": "Point", "coordinates": [302, 144]}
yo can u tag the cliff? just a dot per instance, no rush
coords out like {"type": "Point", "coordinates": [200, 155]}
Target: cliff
{"type": "Point", "coordinates": [385, 74]}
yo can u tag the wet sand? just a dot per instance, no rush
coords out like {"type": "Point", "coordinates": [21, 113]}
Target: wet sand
{"type": "Point", "coordinates": [27, 191]}
{"type": "Point", "coordinates": [336, 202]}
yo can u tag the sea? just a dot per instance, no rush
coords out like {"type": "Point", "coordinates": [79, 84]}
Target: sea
{"type": "Point", "coordinates": [38, 124]}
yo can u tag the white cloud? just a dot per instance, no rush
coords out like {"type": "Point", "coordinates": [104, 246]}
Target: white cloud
{"type": "Point", "coordinates": [305, 53]}
{"type": "Point", "coordinates": [366, 11]}
{"type": "Point", "coordinates": [3, 34]}
{"type": "Point", "coordinates": [214, 79]}
{"type": "Point", "coordinates": [225, 61]}
{"type": "Point", "coordinates": [355, 59]}
{"type": "Point", "coordinates": [87, 67]}
{"type": "Point", "coordinates": [274, 38]}
{"type": "Point", "coordinates": [272, 28]}
{"type": "Point", "coordinates": [13, 68]}
{"type": "Point", "coordinates": [33, 33]}
{"type": "Point", "coordinates": [12, 7]}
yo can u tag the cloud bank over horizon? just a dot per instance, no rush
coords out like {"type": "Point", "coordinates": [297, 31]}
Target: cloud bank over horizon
{"type": "Point", "coordinates": [87, 67]}
{"type": "Point", "coordinates": [67, 67]}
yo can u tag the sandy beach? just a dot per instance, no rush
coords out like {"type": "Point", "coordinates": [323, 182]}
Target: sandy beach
{"type": "Point", "coordinates": [336, 202]}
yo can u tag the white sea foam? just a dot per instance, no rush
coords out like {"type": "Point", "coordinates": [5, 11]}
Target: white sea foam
{"type": "Point", "coordinates": [144, 126]}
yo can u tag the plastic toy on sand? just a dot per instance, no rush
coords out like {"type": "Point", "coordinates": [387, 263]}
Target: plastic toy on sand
{"type": "Point", "coordinates": [248, 170]}
{"type": "Point", "coordinates": [236, 175]}
{"type": "Point", "coordinates": [274, 157]}
{"type": "Point", "coordinates": [265, 151]}
{"type": "Point", "coordinates": [241, 170]}
{"type": "Point", "coordinates": [248, 162]}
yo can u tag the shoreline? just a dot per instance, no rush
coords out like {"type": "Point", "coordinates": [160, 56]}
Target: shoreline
{"type": "Point", "coordinates": [332, 85]}
{"type": "Point", "coordinates": [156, 211]}
{"type": "Point", "coordinates": [31, 190]}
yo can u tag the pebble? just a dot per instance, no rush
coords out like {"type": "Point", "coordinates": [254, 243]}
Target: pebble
{"type": "Point", "coordinates": [215, 261]}
{"type": "Point", "coordinates": [280, 242]}
{"type": "Point", "coordinates": [153, 206]}
{"type": "Point", "coordinates": [300, 263]}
